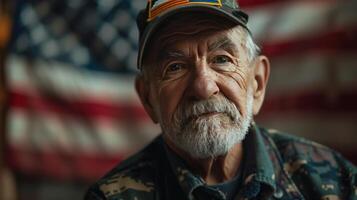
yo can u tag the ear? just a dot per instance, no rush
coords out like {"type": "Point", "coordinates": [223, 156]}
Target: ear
{"type": "Point", "coordinates": [143, 90]}
{"type": "Point", "coordinates": [261, 76]}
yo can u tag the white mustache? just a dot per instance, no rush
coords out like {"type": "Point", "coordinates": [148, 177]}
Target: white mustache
{"type": "Point", "coordinates": [219, 104]}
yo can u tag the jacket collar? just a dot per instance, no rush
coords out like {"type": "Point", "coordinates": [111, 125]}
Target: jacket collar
{"type": "Point", "coordinates": [258, 174]}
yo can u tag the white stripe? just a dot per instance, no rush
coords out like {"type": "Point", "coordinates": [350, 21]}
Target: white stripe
{"type": "Point", "coordinates": [299, 19]}
{"type": "Point", "coordinates": [297, 72]}
{"type": "Point", "coordinates": [328, 129]}
{"type": "Point", "coordinates": [36, 131]}
{"type": "Point", "coordinates": [68, 81]}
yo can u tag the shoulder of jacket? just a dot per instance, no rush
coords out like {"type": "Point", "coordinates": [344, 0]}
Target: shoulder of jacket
{"type": "Point", "coordinates": [283, 140]}
{"type": "Point", "coordinates": [296, 151]}
{"type": "Point", "coordinates": [318, 171]}
{"type": "Point", "coordinates": [133, 177]}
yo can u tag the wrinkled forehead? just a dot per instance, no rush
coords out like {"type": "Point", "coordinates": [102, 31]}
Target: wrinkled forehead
{"type": "Point", "coordinates": [185, 28]}
{"type": "Point", "coordinates": [176, 39]}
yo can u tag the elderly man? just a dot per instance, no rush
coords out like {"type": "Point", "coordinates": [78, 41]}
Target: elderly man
{"type": "Point", "coordinates": [202, 79]}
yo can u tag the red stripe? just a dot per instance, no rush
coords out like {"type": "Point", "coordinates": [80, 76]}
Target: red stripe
{"type": "Point", "coordinates": [311, 101]}
{"type": "Point", "coordinates": [59, 165]}
{"type": "Point", "coordinates": [87, 107]}
{"type": "Point", "coordinates": [334, 41]}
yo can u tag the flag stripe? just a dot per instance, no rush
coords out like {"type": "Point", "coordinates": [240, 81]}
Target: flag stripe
{"type": "Point", "coordinates": [84, 107]}
{"type": "Point", "coordinates": [337, 130]}
{"type": "Point", "coordinates": [68, 81]}
{"type": "Point", "coordinates": [312, 101]}
{"type": "Point", "coordinates": [315, 70]}
{"type": "Point", "coordinates": [301, 19]}
{"type": "Point", "coordinates": [339, 40]}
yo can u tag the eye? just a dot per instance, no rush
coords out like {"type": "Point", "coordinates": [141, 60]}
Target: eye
{"type": "Point", "coordinates": [174, 67]}
{"type": "Point", "coordinates": [174, 70]}
{"type": "Point", "coordinates": [220, 59]}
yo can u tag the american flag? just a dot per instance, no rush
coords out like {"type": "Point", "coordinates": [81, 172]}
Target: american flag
{"type": "Point", "coordinates": [73, 111]}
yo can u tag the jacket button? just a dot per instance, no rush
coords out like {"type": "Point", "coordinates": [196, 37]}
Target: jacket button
{"type": "Point", "coordinates": [278, 193]}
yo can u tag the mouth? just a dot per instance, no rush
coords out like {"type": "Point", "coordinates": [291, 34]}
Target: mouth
{"type": "Point", "coordinates": [205, 115]}
{"type": "Point", "coordinates": [209, 114]}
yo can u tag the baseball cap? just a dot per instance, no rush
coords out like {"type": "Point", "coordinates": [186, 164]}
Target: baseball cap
{"type": "Point", "coordinates": [158, 11]}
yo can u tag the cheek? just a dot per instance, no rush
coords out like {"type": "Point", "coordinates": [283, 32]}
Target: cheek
{"type": "Point", "coordinates": [235, 87]}
{"type": "Point", "coordinates": [170, 95]}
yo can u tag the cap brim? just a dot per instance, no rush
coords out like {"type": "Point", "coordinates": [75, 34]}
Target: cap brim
{"type": "Point", "coordinates": [155, 23]}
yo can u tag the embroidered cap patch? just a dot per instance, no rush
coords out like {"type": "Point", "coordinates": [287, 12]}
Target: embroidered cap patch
{"type": "Point", "coordinates": [156, 7]}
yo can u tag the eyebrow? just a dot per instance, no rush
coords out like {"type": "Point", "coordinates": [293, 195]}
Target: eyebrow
{"type": "Point", "coordinates": [223, 43]}
{"type": "Point", "coordinates": [169, 54]}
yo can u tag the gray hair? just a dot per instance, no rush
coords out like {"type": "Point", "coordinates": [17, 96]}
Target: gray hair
{"type": "Point", "coordinates": [251, 47]}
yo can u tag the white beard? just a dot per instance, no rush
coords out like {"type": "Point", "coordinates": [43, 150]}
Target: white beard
{"type": "Point", "coordinates": [208, 136]}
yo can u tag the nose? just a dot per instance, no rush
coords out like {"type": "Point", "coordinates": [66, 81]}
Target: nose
{"type": "Point", "coordinates": [203, 84]}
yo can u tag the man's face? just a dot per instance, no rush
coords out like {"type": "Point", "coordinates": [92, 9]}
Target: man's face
{"type": "Point", "coordinates": [201, 89]}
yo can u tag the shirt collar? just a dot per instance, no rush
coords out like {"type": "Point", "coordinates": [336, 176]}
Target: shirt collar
{"type": "Point", "coordinates": [258, 168]}
{"type": "Point", "coordinates": [186, 179]}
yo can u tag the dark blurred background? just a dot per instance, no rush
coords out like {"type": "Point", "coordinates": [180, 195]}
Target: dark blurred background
{"type": "Point", "coordinates": [68, 107]}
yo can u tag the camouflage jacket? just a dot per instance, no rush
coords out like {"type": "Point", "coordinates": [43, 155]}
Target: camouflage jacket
{"type": "Point", "coordinates": [276, 166]}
